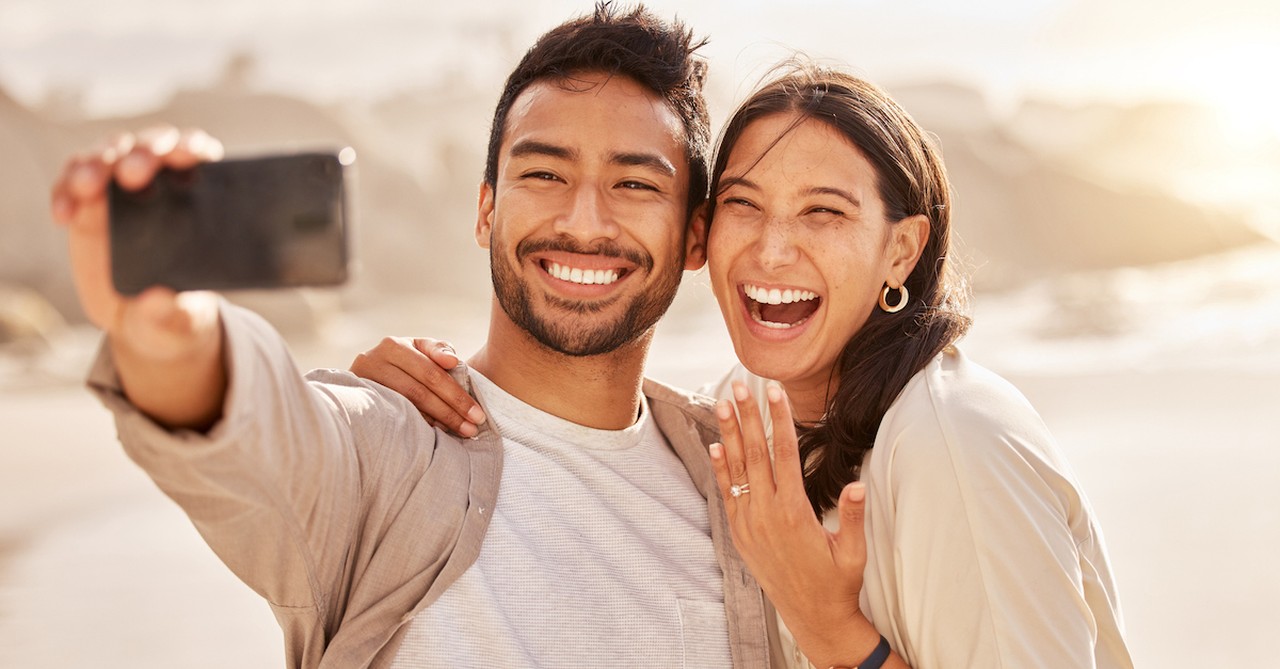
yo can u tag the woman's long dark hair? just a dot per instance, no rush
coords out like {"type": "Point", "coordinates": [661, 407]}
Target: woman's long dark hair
{"type": "Point", "coordinates": [889, 349]}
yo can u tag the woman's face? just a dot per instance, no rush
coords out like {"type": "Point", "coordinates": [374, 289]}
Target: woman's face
{"type": "Point", "coordinates": [799, 248]}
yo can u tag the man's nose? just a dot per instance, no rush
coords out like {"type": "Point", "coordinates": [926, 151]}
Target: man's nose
{"type": "Point", "coordinates": [589, 216]}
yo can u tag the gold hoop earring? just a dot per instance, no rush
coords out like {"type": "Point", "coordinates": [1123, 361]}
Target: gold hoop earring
{"type": "Point", "coordinates": [902, 302]}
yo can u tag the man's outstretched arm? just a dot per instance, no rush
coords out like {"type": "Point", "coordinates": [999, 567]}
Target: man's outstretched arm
{"type": "Point", "coordinates": [168, 347]}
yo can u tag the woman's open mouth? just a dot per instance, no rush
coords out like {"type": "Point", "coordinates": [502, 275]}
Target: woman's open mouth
{"type": "Point", "coordinates": [779, 308]}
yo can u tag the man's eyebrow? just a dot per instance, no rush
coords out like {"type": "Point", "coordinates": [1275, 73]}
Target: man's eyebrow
{"type": "Point", "coordinates": [530, 147]}
{"type": "Point", "coordinates": [652, 161]}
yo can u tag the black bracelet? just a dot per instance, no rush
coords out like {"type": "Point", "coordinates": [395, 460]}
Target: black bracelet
{"type": "Point", "coordinates": [877, 657]}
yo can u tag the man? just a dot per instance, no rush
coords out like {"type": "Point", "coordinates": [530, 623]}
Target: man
{"type": "Point", "coordinates": [581, 525]}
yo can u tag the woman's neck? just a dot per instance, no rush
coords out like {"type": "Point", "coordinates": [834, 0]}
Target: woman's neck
{"type": "Point", "coordinates": [809, 398]}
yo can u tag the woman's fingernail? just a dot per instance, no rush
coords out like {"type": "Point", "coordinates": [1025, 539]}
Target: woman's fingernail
{"type": "Point", "coordinates": [716, 451]}
{"type": "Point", "coordinates": [774, 391]}
{"type": "Point", "coordinates": [740, 391]}
{"type": "Point", "coordinates": [467, 430]}
{"type": "Point", "coordinates": [856, 491]}
{"type": "Point", "coordinates": [476, 415]}
{"type": "Point", "coordinates": [723, 410]}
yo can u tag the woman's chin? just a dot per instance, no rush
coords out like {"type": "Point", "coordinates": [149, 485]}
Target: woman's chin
{"type": "Point", "coordinates": [771, 362]}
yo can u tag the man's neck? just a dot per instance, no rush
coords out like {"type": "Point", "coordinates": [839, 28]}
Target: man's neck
{"type": "Point", "coordinates": [600, 391]}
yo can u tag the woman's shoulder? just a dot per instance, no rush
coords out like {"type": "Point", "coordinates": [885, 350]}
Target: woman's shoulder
{"type": "Point", "coordinates": [957, 412]}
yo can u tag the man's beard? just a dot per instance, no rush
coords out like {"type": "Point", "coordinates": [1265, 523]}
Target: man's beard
{"type": "Point", "coordinates": [566, 334]}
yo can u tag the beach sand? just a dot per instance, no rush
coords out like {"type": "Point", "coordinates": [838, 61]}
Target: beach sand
{"type": "Point", "coordinates": [98, 568]}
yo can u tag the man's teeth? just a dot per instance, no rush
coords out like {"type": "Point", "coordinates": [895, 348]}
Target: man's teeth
{"type": "Point", "coordinates": [583, 276]}
{"type": "Point", "coordinates": [776, 296]}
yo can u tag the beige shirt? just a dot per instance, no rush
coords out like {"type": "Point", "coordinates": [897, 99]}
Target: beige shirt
{"type": "Point", "coordinates": [333, 499]}
{"type": "Point", "coordinates": [982, 550]}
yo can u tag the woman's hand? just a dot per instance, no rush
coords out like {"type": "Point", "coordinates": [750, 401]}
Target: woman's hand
{"type": "Point", "coordinates": [812, 576]}
{"type": "Point", "coordinates": [416, 368]}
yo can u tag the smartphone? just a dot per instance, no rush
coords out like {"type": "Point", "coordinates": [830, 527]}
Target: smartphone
{"type": "Point", "coordinates": [265, 222]}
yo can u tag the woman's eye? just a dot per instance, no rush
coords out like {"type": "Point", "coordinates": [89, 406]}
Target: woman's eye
{"type": "Point", "coordinates": [826, 210]}
{"type": "Point", "coordinates": [736, 201]}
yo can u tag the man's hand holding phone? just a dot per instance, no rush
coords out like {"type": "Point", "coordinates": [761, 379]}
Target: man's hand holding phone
{"type": "Point", "coordinates": [167, 346]}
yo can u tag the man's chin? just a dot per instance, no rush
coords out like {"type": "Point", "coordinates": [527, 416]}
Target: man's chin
{"type": "Point", "coordinates": [573, 337]}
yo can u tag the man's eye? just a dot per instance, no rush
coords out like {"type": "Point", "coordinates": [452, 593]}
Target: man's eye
{"type": "Point", "coordinates": [636, 185]}
{"type": "Point", "coordinates": [542, 176]}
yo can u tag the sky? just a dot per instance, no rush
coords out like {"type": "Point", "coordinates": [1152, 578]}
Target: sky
{"type": "Point", "coordinates": [126, 55]}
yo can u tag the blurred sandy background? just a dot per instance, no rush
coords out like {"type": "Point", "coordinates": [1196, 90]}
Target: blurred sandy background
{"type": "Point", "coordinates": [1116, 167]}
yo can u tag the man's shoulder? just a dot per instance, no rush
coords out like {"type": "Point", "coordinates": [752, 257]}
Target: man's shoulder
{"type": "Point", "coordinates": [667, 401]}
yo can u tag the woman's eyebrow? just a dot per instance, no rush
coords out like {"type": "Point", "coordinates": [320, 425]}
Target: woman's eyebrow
{"type": "Point", "coordinates": [729, 182]}
{"type": "Point", "coordinates": [838, 192]}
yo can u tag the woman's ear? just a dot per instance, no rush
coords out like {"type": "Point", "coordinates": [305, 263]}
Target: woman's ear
{"type": "Point", "coordinates": [907, 241]}
{"type": "Point", "coordinates": [484, 215]}
{"type": "Point", "coordinates": [695, 243]}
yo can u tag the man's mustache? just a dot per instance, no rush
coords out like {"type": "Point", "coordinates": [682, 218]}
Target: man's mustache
{"type": "Point", "coordinates": [607, 248]}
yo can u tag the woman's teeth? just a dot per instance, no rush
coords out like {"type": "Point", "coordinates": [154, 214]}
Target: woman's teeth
{"type": "Point", "coordinates": [785, 308]}
{"type": "Point", "coordinates": [583, 276]}
{"type": "Point", "coordinates": [776, 296]}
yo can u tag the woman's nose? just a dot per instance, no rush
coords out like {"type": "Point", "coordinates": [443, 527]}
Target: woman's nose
{"type": "Point", "coordinates": [775, 248]}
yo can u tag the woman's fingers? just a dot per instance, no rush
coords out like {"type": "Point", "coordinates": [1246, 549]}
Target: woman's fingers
{"type": "Point", "coordinates": [787, 470]}
{"type": "Point", "coordinates": [851, 540]}
{"type": "Point", "coordinates": [755, 448]}
{"type": "Point", "coordinates": [724, 481]}
{"type": "Point", "coordinates": [735, 461]}
{"type": "Point", "coordinates": [402, 365]}
{"type": "Point", "coordinates": [435, 376]}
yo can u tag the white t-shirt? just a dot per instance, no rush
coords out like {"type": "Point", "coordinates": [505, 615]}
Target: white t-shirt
{"type": "Point", "coordinates": [982, 550]}
{"type": "Point", "coordinates": [599, 553]}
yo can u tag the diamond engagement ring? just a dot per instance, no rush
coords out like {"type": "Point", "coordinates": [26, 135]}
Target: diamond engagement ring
{"type": "Point", "coordinates": [739, 490]}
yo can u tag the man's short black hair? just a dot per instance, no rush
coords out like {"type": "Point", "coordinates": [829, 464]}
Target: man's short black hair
{"type": "Point", "coordinates": [636, 44]}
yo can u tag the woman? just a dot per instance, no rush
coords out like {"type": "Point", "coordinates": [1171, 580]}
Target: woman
{"type": "Point", "coordinates": [828, 246]}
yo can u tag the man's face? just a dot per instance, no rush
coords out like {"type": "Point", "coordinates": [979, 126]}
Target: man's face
{"type": "Point", "coordinates": [586, 227]}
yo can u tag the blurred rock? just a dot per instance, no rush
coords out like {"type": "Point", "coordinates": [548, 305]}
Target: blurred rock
{"type": "Point", "coordinates": [27, 320]}
{"type": "Point", "coordinates": [1031, 200]}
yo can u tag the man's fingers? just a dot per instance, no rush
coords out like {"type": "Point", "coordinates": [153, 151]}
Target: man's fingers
{"type": "Point", "coordinates": [160, 140]}
{"type": "Point", "coordinates": [194, 146]}
{"type": "Point", "coordinates": [137, 168]}
{"type": "Point", "coordinates": [86, 177]}
{"type": "Point", "coordinates": [61, 204]}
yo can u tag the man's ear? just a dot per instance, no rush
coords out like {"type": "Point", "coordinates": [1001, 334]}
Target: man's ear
{"type": "Point", "coordinates": [484, 215]}
{"type": "Point", "coordinates": [695, 242]}
{"type": "Point", "coordinates": [907, 242]}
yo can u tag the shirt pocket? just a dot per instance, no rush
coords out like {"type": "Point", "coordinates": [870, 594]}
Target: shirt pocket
{"type": "Point", "coordinates": [704, 634]}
